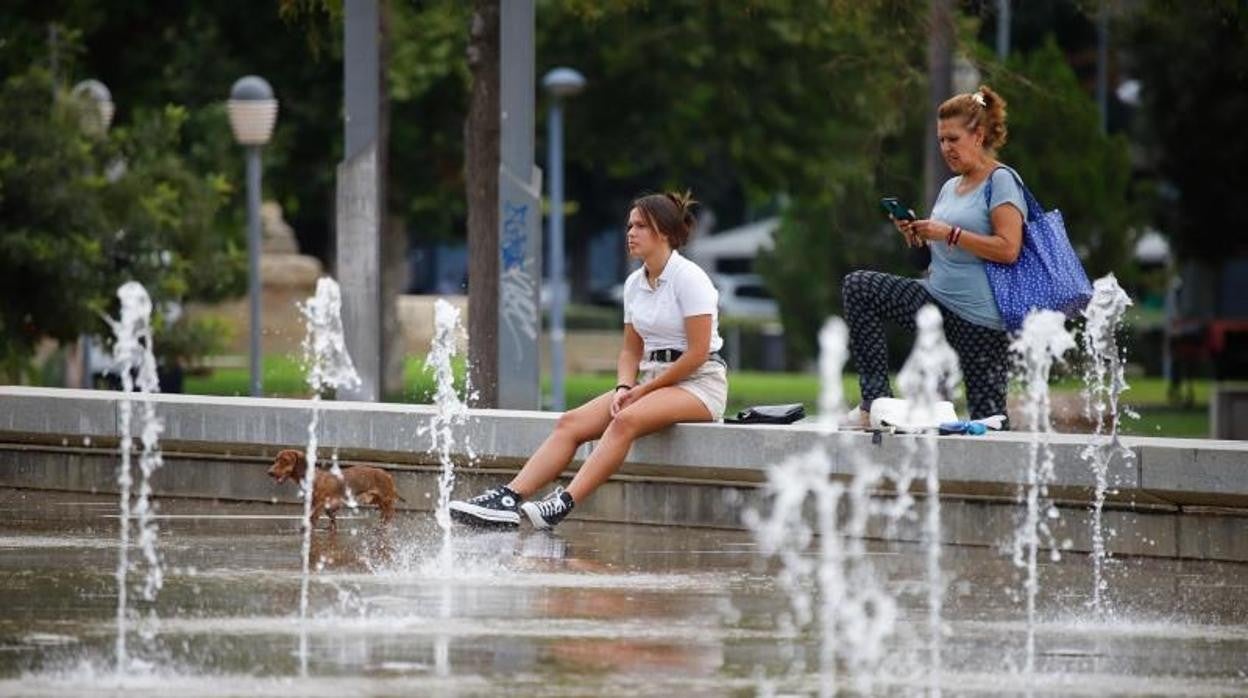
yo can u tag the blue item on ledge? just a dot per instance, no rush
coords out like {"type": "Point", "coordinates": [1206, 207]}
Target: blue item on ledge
{"type": "Point", "coordinates": [963, 427]}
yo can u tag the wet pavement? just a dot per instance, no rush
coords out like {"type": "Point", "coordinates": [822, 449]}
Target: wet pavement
{"type": "Point", "coordinates": [596, 609]}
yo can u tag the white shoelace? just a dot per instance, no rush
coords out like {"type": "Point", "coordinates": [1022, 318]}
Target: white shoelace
{"type": "Point", "coordinates": [552, 504]}
{"type": "Point", "coordinates": [486, 496]}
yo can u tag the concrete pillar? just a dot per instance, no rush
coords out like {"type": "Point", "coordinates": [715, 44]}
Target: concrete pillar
{"type": "Point", "coordinates": [359, 199]}
{"type": "Point", "coordinates": [520, 214]}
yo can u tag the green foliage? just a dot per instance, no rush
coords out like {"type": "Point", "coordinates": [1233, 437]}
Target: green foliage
{"type": "Point", "coordinates": [84, 213]}
{"type": "Point", "coordinates": [1056, 144]}
{"type": "Point", "coordinates": [736, 101]}
{"type": "Point", "coordinates": [820, 240]}
{"type": "Point", "coordinates": [747, 104]}
{"type": "Point", "coordinates": [151, 53]}
{"type": "Point", "coordinates": [166, 215]}
{"type": "Point", "coordinates": [188, 340]}
{"type": "Point", "coordinates": [812, 108]}
{"type": "Point", "coordinates": [53, 252]}
{"type": "Point", "coordinates": [868, 146]}
{"type": "Point", "coordinates": [429, 82]}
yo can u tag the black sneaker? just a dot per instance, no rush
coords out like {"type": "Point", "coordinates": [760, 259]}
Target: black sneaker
{"type": "Point", "coordinates": [548, 512]}
{"type": "Point", "coordinates": [497, 506]}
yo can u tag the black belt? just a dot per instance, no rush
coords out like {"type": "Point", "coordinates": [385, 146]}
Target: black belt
{"type": "Point", "coordinates": [667, 356]}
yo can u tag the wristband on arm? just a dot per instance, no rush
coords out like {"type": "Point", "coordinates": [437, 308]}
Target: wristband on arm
{"type": "Point", "coordinates": [955, 234]}
{"type": "Point", "coordinates": [625, 386]}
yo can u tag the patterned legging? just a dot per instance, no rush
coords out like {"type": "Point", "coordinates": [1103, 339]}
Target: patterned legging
{"type": "Point", "coordinates": [983, 353]}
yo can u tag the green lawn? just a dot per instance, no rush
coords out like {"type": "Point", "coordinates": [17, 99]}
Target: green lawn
{"type": "Point", "coordinates": [1183, 422]}
{"type": "Point", "coordinates": [1150, 390]}
{"type": "Point", "coordinates": [283, 377]}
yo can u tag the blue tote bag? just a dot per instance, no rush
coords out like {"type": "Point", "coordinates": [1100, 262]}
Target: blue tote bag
{"type": "Point", "coordinates": [1047, 274]}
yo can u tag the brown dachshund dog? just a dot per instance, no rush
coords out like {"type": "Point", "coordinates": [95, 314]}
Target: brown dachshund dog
{"type": "Point", "coordinates": [368, 485]}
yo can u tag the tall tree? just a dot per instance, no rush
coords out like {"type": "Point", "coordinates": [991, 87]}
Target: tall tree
{"type": "Point", "coordinates": [393, 243]}
{"type": "Point", "coordinates": [481, 162]}
{"type": "Point", "coordinates": [83, 213]}
{"type": "Point", "coordinates": [1192, 63]}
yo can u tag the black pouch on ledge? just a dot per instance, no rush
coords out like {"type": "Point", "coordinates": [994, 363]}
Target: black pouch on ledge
{"type": "Point", "coordinates": [770, 414]}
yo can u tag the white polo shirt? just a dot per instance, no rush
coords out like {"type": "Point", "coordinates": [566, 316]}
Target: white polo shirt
{"type": "Point", "coordinates": [682, 290]}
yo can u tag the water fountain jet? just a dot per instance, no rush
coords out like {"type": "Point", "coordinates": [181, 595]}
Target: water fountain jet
{"type": "Point", "coordinates": [328, 367]}
{"type": "Point", "coordinates": [929, 374]}
{"type": "Point", "coordinates": [1042, 342]}
{"type": "Point", "coordinates": [854, 614]}
{"type": "Point", "coordinates": [1104, 383]}
{"type": "Point", "coordinates": [136, 365]}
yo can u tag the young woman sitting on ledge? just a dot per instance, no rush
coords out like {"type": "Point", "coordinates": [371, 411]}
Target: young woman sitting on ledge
{"type": "Point", "coordinates": [671, 336]}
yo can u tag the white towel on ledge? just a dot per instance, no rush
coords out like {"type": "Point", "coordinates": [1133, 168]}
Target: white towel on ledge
{"type": "Point", "coordinates": [904, 415]}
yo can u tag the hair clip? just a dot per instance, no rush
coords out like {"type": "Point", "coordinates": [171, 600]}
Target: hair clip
{"type": "Point", "coordinates": [978, 97]}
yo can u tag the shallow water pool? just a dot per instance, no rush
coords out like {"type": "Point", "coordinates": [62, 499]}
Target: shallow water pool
{"type": "Point", "coordinates": [595, 609]}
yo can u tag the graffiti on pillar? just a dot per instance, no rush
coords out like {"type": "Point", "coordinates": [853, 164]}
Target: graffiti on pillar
{"type": "Point", "coordinates": [518, 289]}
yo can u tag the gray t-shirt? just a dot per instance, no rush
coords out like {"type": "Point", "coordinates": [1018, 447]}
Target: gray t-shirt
{"type": "Point", "coordinates": [956, 277]}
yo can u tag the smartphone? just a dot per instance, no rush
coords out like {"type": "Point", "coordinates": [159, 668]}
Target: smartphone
{"type": "Point", "coordinates": [893, 207]}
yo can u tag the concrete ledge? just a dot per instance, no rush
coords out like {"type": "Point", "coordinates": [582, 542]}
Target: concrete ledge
{"type": "Point", "coordinates": [1194, 471]}
{"type": "Point", "coordinates": [1177, 497]}
{"type": "Point", "coordinates": [78, 413]}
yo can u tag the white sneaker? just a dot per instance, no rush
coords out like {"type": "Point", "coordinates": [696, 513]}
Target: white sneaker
{"type": "Point", "coordinates": [550, 510]}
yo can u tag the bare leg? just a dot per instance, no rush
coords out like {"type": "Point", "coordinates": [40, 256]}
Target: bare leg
{"type": "Point", "coordinates": [658, 410]}
{"type": "Point", "coordinates": [574, 428]}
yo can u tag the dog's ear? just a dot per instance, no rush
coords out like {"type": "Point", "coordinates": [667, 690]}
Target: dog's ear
{"type": "Point", "coordinates": [299, 464]}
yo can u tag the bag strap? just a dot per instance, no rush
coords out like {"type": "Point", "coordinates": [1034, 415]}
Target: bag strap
{"type": "Point", "coordinates": [1028, 198]}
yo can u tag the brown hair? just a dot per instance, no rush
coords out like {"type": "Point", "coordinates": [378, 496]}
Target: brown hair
{"type": "Point", "coordinates": [980, 109]}
{"type": "Point", "coordinates": [670, 214]}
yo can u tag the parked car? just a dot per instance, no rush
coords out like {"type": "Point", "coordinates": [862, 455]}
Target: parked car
{"type": "Point", "coordinates": [612, 295]}
{"type": "Point", "coordinates": [745, 295]}
{"type": "Point", "coordinates": [740, 295]}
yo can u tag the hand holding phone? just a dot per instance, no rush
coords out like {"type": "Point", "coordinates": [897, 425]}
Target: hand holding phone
{"type": "Point", "coordinates": [902, 216]}
{"type": "Point", "coordinates": [893, 207]}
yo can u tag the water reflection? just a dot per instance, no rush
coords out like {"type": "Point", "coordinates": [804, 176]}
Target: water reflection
{"type": "Point", "coordinates": [594, 610]}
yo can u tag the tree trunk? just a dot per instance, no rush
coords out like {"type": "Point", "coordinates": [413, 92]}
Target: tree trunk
{"type": "Point", "coordinates": [481, 162]}
{"type": "Point", "coordinates": [391, 228]}
{"type": "Point", "coordinates": [940, 87]}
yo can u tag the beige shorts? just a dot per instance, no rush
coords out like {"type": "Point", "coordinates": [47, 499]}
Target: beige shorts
{"type": "Point", "coordinates": [709, 383]}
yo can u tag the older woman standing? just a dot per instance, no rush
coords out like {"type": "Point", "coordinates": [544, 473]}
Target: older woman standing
{"type": "Point", "coordinates": [671, 336]}
{"type": "Point", "coordinates": [965, 229]}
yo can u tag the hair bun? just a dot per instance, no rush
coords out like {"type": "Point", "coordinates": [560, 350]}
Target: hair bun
{"type": "Point", "coordinates": [683, 201]}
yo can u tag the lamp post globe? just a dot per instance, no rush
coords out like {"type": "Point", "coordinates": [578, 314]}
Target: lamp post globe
{"type": "Point", "coordinates": [96, 94]}
{"type": "Point", "coordinates": [253, 113]}
{"type": "Point", "coordinates": [563, 82]}
{"type": "Point", "coordinates": [252, 109]}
